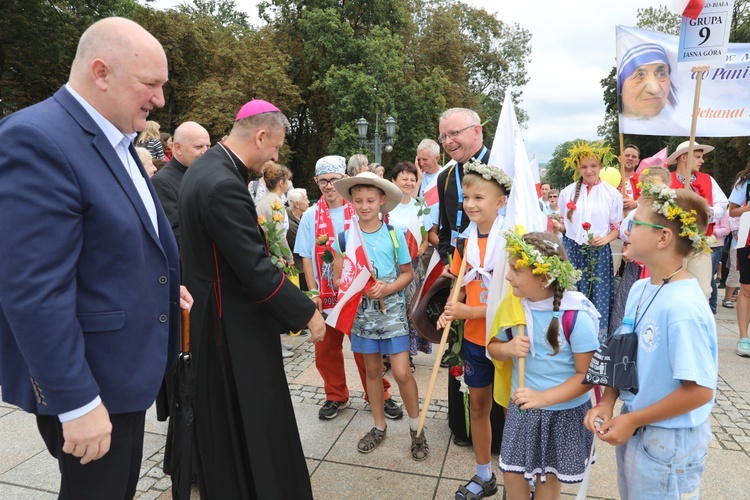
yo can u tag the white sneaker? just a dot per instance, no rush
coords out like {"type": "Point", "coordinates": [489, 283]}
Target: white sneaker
{"type": "Point", "coordinates": [286, 353]}
{"type": "Point", "coordinates": [743, 347]}
{"type": "Point", "coordinates": [288, 347]}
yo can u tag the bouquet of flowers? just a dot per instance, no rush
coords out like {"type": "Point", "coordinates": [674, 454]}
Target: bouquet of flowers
{"type": "Point", "coordinates": [592, 259]}
{"type": "Point", "coordinates": [273, 228]}
{"type": "Point", "coordinates": [455, 361]}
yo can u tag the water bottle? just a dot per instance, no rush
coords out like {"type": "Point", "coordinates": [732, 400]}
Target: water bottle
{"type": "Point", "coordinates": [626, 327]}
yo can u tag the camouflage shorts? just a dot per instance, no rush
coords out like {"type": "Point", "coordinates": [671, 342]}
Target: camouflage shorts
{"type": "Point", "coordinates": [371, 323]}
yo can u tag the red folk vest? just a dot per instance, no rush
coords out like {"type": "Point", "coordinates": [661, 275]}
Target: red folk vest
{"type": "Point", "coordinates": [703, 186]}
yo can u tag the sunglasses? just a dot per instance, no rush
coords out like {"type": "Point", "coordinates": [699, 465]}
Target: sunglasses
{"type": "Point", "coordinates": [633, 222]}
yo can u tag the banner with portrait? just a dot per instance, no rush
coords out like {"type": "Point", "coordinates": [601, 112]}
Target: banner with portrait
{"type": "Point", "coordinates": [654, 98]}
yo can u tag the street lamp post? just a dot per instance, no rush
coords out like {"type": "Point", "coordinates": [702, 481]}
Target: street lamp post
{"type": "Point", "coordinates": [377, 144]}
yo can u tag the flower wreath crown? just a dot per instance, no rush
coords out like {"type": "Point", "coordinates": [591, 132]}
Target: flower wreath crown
{"type": "Point", "coordinates": [585, 149]}
{"type": "Point", "coordinates": [551, 266]}
{"type": "Point", "coordinates": [664, 204]}
{"type": "Point", "coordinates": [489, 173]}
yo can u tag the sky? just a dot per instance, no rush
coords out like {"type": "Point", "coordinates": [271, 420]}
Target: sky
{"type": "Point", "coordinates": [572, 49]}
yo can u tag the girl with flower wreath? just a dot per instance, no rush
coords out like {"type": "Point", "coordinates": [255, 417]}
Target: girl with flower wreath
{"type": "Point", "coordinates": [592, 211]}
{"type": "Point", "coordinates": [544, 439]}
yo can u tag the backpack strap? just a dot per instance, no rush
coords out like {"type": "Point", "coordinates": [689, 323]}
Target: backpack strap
{"type": "Point", "coordinates": [342, 241]}
{"type": "Point", "coordinates": [568, 323]}
{"type": "Point", "coordinates": [448, 178]}
{"type": "Point", "coordinates": [391, 231]}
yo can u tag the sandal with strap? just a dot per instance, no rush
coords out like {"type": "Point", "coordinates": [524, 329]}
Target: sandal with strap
{"type": "Point", "coordinates": [489, 488]}
{"type": "Point", "coordinates": [419, 447]}
{"type": "Point", "coordinates": [371, 440]}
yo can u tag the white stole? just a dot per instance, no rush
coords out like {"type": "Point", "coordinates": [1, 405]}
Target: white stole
{"type": "Point", "coordinates": [571, 301]}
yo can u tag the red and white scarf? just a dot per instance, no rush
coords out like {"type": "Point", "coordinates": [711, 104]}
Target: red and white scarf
{"type": "Point", "coordinates": [324, 225]}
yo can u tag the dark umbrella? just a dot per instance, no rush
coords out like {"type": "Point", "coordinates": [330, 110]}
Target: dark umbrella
{"type": "Point", "coordinates": [182, 417]}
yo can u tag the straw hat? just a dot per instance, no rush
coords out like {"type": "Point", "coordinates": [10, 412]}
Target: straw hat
{"type": "Point", "coordinates": [684, 147]}
{"type": "Point", "coordinates": [392, 192]}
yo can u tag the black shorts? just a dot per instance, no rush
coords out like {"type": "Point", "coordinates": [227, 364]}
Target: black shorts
{"type": "Point", "coordinates": [743, 264]}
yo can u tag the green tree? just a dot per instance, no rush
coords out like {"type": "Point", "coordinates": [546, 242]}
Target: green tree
{"type": "Point", "coordinates": [361, 58]}
{"type": "Point", "coordinates": [38, 41]}
{"type": "Point", "coordinates": [556, 172]}
{"type": "Point", "coordinates": [224, 12]}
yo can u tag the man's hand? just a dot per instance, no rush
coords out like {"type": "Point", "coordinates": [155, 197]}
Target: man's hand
{"type": "Point", "coordinates": [186, 300]}
{"type": "Point", "coordinates": [88, 436]}
{"type": "Point", "coordinates": [629, 204]}
{"type": "Point", "coordinates": [317, 327]}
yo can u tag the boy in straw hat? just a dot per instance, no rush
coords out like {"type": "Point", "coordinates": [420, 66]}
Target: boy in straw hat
{"type": "Point", "coordinates": [315, 235]}
{"type": "Point", "coordinates": [702, 266]}
{"type": "Point", "coordinates": [380, 327]}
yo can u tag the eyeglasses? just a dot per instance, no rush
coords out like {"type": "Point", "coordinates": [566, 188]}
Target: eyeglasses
{"type": "Point", "coordinates": [453, 135]}
{"type": "Point", "coordinates": [325, 182]}
{"type": "Point", "coordinates": [551, 196]}
{"type": "Point", "coordinates": [632, 222]}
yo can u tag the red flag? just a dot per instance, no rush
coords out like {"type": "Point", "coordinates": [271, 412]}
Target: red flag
{"type": "Point", "coordinates": [431, 195]}
{"type": "Point", "coordinates": [355, 274]}
{"type": "Point", "coordinates": [687, 8]}
{"type": "Point", "coordinates": [414, 237]}
{"type": "Point", "coordinates": [434, 270]}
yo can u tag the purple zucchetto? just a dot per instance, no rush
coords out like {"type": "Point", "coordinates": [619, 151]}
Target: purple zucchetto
{"type": "Point", "coordinates": [256, 107]}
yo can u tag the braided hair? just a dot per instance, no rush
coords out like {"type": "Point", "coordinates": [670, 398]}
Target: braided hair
{"type": "Point", "coordinates": [548, 244]}
{"type": "Point", "coordinates": [579, 183]}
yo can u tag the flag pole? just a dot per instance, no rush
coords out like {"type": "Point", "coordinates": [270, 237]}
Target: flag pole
{"type": "Point", "coordinates": [699, 71]}
{"type": "Point", "coordinates": [367, 258]}
{"type": "Point", "coordinates": [622, 164]}
{"type": "Point", "coordinates": [441, 348]}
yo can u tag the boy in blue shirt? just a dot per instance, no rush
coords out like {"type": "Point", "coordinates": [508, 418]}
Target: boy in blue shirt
{"type": "Point", "coordinates": [380, 327]}
{"type": "Point", "coordinates": [663, 432]}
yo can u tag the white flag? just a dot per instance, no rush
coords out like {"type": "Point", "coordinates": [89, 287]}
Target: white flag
{"type": "Point", "coordinates": [523, 205]}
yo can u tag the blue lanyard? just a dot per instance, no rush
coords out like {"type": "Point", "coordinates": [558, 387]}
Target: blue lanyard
{"type": "Point", "coordinates": [460, 190]}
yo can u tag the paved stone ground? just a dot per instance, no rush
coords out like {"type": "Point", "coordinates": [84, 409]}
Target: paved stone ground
{"type": "Point", "coordinates": [338, 471]}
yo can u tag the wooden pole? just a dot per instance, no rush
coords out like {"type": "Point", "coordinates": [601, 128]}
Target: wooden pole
{"type": "Point", "coordinates": [441, 348]}
{"type": "Point", "coordinates": [521, 361]}
{"type": "Point", "coordinates": [185, 337]}
{"type": "Point", "coordinates": [699, 71]}
{"type": "Point", "coordinates": [622, 164]}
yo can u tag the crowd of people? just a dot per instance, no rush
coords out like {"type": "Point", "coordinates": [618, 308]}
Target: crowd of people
{"type": "Point", "coordinates": [98, 262]}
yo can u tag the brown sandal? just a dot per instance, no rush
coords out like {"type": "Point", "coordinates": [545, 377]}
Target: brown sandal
{"type": "Point", "coordinates": [371, 440]}
{"type": "Point", "coordinates": [419, 447]}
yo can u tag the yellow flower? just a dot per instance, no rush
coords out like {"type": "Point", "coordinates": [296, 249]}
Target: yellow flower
{"type": "Point", "coordinates": [673, 211]}
{"type": "Point", "coordinates": [261, 219]}
{"type": "Point", "coordinates": [523, 261]}
{"type": "Point", "coordinates": [645, 172]}
{"type": "Point", "coordinates": [278, 217]}
{"type": "Point", "coordinates": [276, 206]}
{"type": "Point", "coordinates": [542, 268]}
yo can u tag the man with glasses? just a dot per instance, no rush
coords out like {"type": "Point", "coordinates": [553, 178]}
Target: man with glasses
{"type": "Point", "coordinates": [317, 230]}
{"type": "Point", "coordinates": [461, 136]}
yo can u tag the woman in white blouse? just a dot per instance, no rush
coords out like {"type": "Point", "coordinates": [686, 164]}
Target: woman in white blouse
{"type": "Point", "coordinates": [591, 211]}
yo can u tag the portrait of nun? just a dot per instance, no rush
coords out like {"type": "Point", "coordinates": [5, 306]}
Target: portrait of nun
{"type": "Point", "coordinates": [644, 83]}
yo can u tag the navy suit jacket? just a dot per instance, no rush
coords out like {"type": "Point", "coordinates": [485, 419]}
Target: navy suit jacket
{"type": "Point", "coordinates": [89, 294]}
